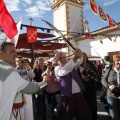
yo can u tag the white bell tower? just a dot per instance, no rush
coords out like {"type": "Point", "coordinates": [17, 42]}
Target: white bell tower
{"type": "Point", "coordinates": [68, 17]}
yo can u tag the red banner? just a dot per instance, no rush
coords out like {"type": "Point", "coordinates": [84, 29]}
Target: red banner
{"type": "Point", "coordinates": [102, 14]}
{"type": "Point", "coordinates": [31, 34]}
{"type": "Point", "coordinates": [89, 36]}
{"type": "Point", "coordinates": [93, 6]}
{"type": "Point", "coordinates": [111, 22]}
{"type": "Point", "coordinates": [7, 23]}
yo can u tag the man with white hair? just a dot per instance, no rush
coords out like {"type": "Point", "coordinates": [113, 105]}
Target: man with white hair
{"type": "Point", "coordinates": [71, 87]}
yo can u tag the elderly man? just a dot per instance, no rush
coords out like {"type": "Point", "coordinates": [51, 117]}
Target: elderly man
{"type": "Point", "coordinates": [71, 86]}
{"type": "Point", "coordinates": [12, 85]}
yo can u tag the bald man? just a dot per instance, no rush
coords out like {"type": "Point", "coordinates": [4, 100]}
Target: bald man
{"type": "Point", "coordinates": [71, 86]}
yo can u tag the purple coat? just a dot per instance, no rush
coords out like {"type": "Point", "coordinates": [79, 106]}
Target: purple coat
{"type": "Point", "coordinates": [66, 82]}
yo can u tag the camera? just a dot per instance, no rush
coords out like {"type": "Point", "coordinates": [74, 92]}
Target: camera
{"type": "Point", "coordinates": [116, 91]}
{"type": "Point", "coordinates": [89, 73]}
{"type": "Point", "coordinates": [23, 72]}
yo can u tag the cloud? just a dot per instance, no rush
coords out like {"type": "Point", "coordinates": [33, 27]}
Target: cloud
{"type": "Point", "coordinates": [43, 5]}
{"type": "Point", "coordinates": [29, 7]}
{"type": "Point", "coordinates": [28, 1]}
{"type": "Point", "coordinates": [109, 2]}
{"type": "Point", "coordinates": [48, 2]}
{"type": "Point", "coordinates": [12, 5]}
{"type": "Point", "coordinates": [34, 12]}
{"type": "Point", "coordinates": [39, 8]}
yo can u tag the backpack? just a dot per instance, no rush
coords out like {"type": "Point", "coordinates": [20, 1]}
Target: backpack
{"type": "Point", "coordinates": [106, 75]}
{"type": "Point", "coordinates": [105, 84]}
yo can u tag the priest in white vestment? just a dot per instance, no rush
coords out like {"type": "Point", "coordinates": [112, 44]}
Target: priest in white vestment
{"type": "Point", "coordinates": [12, 85]}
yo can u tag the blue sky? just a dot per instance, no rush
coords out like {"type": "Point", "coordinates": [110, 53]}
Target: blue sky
{"type": "Point", "coordinates": [40, 9]}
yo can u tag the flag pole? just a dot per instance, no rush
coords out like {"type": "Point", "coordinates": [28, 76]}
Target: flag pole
{"type": "Point", "coordinates": [32, 46]}
{"type": "Point", "coordinates": [97, 52]}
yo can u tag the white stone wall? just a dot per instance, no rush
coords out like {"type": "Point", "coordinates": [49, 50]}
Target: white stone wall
{"type": "Point", "coordinates": [68, 17]}
{"type": "Point", "coordinates": [95, 48]}
{"type": "Point", "coordinates": [59, 16]}
{"type": "Point", "coordinates": [75, 19]}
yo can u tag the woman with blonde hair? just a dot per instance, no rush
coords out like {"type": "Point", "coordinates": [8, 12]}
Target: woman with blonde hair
{"type": "Point", "coordinates": [39, 68]}
{"type": "Point", "coordinates": [39, 104]}
{"type": "Point", "coordinates": [113, 93]}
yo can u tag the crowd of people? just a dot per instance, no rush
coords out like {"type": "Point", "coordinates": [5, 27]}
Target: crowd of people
{"type": "Point", "coordinates": [67, 86]}
{"type": "Point", "coordinates": [111, 82]}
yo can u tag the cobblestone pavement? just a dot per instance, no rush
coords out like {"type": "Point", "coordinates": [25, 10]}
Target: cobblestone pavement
{"type": "Point", "coordinates": [101, 112]}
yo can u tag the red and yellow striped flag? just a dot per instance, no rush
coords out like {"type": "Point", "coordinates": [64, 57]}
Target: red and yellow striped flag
{"type": "Point", "coordinates": [111, 22]}
{"type": "Point", "coordinates": [102, 14]}
{"type": "Point", "coordinates": [93, 6]}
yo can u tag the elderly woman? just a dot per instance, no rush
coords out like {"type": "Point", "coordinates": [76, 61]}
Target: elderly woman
{"type": "Point", "coordinates": [71, 86]}
{"type": "Point", "coordinates": [113, 93]}
{"type": "Point", "coordinates": [39, 104]}
{"type": "Point", "coordinates": [39, 68]}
